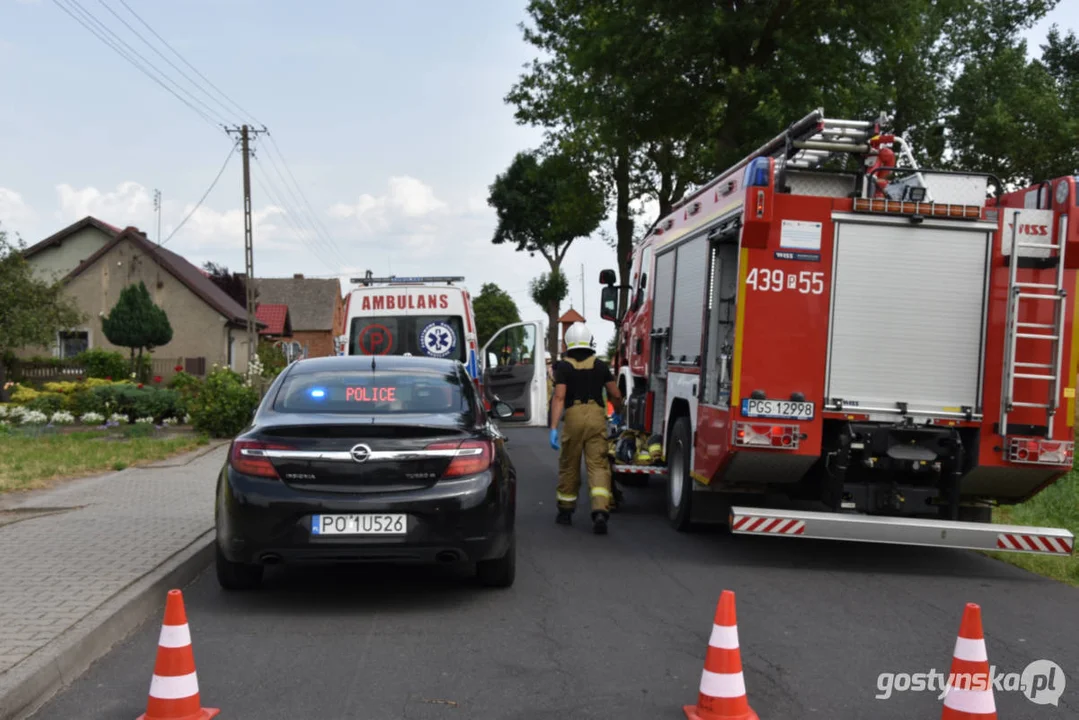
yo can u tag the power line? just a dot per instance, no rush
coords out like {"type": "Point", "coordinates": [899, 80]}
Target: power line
{"type": "Point", "coordinates": [204, 195]}
{"type": "Point", "coordinates": [114, 46]}
{"type": "Point", "coordinates": [163, 57]}
{"type": "Point", "coordinates": [185, 62]}
{"type": "Point", "coordinates": [328, 242]}
{"type": "Point", "coordinates": [289, 215]}
{"type": "Point", "coordinates": [299, 188]}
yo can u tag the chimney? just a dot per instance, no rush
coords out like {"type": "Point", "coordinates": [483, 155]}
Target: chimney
{"type": "Point", "coordinates": [298, 276]}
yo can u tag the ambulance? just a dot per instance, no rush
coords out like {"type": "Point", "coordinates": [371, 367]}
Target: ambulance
{"type": "Point", "coordinates": [433, 317]}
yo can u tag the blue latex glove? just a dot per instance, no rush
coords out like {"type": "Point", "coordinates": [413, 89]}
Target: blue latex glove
{"type": "Point", "coordinates": [554, 440]}
{"type": "Point", "coordinates": [616, 419]}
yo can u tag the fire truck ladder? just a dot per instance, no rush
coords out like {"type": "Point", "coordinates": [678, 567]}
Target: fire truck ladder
{"type": "Point", "coordinates": [812, 140]}
{"type": "Point", "coordinates": [1029, 334]}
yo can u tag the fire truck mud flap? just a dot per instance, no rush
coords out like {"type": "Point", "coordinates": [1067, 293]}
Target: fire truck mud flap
{"type": "Point", "coordinates": [901, 531]}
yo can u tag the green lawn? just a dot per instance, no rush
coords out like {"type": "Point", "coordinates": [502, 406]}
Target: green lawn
{"type": "Point", "coordinates": [29, 461]}
{"type": "Point", "coordinates": [1056, 506]}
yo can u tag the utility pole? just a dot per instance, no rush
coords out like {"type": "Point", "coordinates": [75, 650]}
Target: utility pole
{"type": "Point", "coordinates": [157, 209]}
{"type": "Point", "coordinates": [246, 133]}
{"type": "Point", "coordinates": [583, 306]}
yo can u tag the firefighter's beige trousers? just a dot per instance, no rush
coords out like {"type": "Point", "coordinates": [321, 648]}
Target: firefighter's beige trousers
{"type": "Point", "coordinates": [584, 430]}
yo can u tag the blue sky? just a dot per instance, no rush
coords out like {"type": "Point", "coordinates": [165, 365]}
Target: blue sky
{"type": "Point", "coordinates": [389, 115]}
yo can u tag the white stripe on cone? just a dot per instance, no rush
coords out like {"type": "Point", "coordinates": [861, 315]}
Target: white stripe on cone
{"type": "Point", "coordinates": [174, 636]}
{"type": "Point", "coordinates": [175, 687]}
{"type": "Point", "coordinates": [724, 637]}
{"type": "Point", "coordinates": [972, 650]}
{"type": "Point", "coordinates": [976, 702]}
{"type": "Point", "coordinates": [722, 685]}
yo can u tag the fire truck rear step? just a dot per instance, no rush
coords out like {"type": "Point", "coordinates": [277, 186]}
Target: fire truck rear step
{"type": "Point", "coordinates": [901, 531]}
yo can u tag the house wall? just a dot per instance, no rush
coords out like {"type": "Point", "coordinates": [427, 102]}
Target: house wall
{"type": "Point", "coordinates": [198, 330]}
{"type": "Point", "coordinates": [319, 342]}
{"type": "Point", "coordinates": [56, 261]}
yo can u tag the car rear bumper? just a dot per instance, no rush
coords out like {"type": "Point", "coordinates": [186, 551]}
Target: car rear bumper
{"type": "Point", "coordinates": [265, 521]}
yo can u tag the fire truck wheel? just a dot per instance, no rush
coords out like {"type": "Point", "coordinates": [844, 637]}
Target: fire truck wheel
{"type": "Point", "coordinates": [680, 484]}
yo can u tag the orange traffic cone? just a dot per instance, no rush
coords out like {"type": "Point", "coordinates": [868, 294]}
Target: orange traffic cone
{"type": "Point", "coordinates": [174, 689]}
{"type": "Point", "coordinates": [969, 695]}
{"type": "Point", "coordinates": [723, 688]}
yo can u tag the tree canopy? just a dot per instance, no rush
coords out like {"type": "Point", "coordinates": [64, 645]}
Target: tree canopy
{"type": "Point", "coordinates": [494, 308]}
{"type": "Point", "coordinates": [543, 204]}
{"type": "Point", "coordinates": [659, 96]}
{"type": "Point", "coordinates": [32, 310]}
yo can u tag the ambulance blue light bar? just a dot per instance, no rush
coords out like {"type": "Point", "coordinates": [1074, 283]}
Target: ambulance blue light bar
{"type": "Point", "coordinates": [393, 279]}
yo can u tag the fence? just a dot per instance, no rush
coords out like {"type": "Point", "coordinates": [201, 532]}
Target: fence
{"type": "Point", "coordinates": [58, 371]}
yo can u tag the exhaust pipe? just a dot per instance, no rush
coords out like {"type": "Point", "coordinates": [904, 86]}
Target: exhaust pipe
{"type": "Point", "coordinates": [448, 556]}
{"type": "Point", "coordinates": [270, 559]}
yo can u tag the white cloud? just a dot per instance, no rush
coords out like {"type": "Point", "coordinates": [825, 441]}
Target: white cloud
{"type": "Point", "coordinates": [14, 212]}
{"type": "Point", "coordinates": [129, 203]}
{"type": "Point", "coordinates": [406, 198]}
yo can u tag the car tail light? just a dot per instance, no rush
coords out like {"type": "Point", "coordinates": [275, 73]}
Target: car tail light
{"type": "Point", "coordinates": [248, 457]}
{"type": "Point", "coordinates": [1039, 451]}
{"type": "Point", "coordinates": [784, 437]}
{"type": "Point", "coordinates": [473, 456]}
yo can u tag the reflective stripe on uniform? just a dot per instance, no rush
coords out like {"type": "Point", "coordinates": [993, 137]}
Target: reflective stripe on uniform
{"type": "Point", "coordinates": [601, 492]}
{"type": "Point", "coordinates": [566, 498]}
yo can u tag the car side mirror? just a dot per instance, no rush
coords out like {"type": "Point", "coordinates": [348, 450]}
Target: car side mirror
{"type": "Point", "coordinates": [501, 410]}
{"type": "Point", "coordinates": [608, 301]}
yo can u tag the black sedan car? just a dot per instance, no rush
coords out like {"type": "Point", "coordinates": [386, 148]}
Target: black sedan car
{"type": "Point", "coordinates": [368, 458]}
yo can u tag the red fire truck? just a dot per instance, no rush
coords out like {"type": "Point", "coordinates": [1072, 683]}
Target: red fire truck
{"type": "Point", "coordinates": [883, 353]}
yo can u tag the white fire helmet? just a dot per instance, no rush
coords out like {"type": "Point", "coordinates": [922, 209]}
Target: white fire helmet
{"type": "Point", "coordinates": [579, 336]}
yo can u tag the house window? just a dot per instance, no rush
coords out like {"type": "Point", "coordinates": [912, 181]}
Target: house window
{"type": "Point", "coordinates": [73, 342]}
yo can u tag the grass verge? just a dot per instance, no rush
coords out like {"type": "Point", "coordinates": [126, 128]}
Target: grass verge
{"type": "Point", "coordinates": [33, 461]}
{"type": "Point", "coordinates": [1056, 506]}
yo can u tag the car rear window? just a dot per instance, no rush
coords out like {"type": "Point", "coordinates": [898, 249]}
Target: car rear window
{"type": "Point", "coordinates": [372, 393]}
{"type": "Point", "coordinates": [440, 336]}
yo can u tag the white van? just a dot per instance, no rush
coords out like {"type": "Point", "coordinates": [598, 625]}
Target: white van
{"type": "Point", "coordinates": [431, 316]}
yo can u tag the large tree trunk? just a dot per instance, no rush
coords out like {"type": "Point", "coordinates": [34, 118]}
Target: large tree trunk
{"type": "Point", "coordinates": [552, 329]}
{"type": "Point", "coordinates": [3, 379]}
{"type": "Point", "coordinates": [623, 222]}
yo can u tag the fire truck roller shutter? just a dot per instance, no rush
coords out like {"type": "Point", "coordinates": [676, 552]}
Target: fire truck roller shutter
{"type": "Point", "coordinates": [908, 315]}
{"type": "Point", "coordinates": [689, 290]}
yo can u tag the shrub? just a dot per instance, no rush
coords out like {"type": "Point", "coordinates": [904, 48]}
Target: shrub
{"type": "Point", "coordinates": [46, 403]}
{"type": "Point", "coordinates": [133, 402]}
{"type": "Point", "coordinates": [186, 384]}
{"type": "Point", "coordinates": [62, 418]}
{"type": "Point", "coordinates": [224, 405]}
{"type": "Point", "coordinates": [92, 418]}
{"type": "Point", "coordinates": [103, 364]}
{"type": "Point", "coordinates": [22, 394]}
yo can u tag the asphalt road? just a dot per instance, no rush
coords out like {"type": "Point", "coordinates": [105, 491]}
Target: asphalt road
{"type": "Point", "coordinates": [608, 627]}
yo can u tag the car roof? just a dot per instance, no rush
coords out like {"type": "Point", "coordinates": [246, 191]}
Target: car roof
{"type": "Point", "coordinates": [361, 363]}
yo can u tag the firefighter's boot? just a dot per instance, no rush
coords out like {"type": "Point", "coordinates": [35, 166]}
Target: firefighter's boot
{"type": "Point", "coordinates": [599, 523]}
{"type": "Point", "coordinates": [564, 517]}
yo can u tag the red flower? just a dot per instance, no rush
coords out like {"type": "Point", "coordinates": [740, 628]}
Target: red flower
{"type": "Point", "coordinates": [140, 386]}
{"type": "Point", "coordinates": [109, 379]}
{"type": "Point", "coordinates": [157, 378]}
{"type": "Point", "coordinates": [179, 368]}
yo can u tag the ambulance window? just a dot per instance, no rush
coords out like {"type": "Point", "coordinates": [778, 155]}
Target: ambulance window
{"type": "Point", "coordinates": [440, 336]}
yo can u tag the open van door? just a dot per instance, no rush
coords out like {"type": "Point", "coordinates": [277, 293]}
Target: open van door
{"type": "Point", "coordinates": [515, 371]}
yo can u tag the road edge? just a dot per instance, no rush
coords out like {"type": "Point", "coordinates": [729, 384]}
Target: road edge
{"type": "Point", "coordinates": [37, 679]}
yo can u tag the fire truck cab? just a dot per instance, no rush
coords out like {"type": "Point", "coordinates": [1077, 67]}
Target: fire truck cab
{"type": "Point", "coordinates": [861, 344]}
{"type": "Point", "coordinates": [433, 317]}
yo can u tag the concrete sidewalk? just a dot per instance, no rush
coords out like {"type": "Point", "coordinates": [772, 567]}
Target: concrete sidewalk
{"type": "Point", "coordinates": [83, 564]}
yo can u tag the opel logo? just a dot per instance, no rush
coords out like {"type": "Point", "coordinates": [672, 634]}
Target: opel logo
{"type": "Point", "coordinates": [360, 453]}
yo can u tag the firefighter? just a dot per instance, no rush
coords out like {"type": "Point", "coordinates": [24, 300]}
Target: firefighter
{"type": "Point", "coordinates": [580, 379]}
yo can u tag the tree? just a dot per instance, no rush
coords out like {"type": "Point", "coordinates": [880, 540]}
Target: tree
{"type": "Point", "coordinates": [136, 323]}
{"type": "Point", "coordinates": [662, 95]}
{"type": "Point", "coordinates": [494, 308]}
{"type": "Point", "coordinates": [32, 310]}
{"type": "Point", "coordinates": [548, 291]}
{"type": "Point", "coordinates": [233, 284]}
{"type": "Point", "coordinates": [543, 204]}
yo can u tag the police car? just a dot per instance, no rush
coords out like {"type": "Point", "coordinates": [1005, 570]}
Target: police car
{"type": "Point", "coordinates": [433, 317]}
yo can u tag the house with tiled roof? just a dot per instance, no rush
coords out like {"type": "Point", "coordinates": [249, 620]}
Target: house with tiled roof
{"type": "Point", "coordinates": [316, 309]}
{"type": "Point", "coordinates": [96, 261]}
{"type": "Point", "coordinates": [277, 321]}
